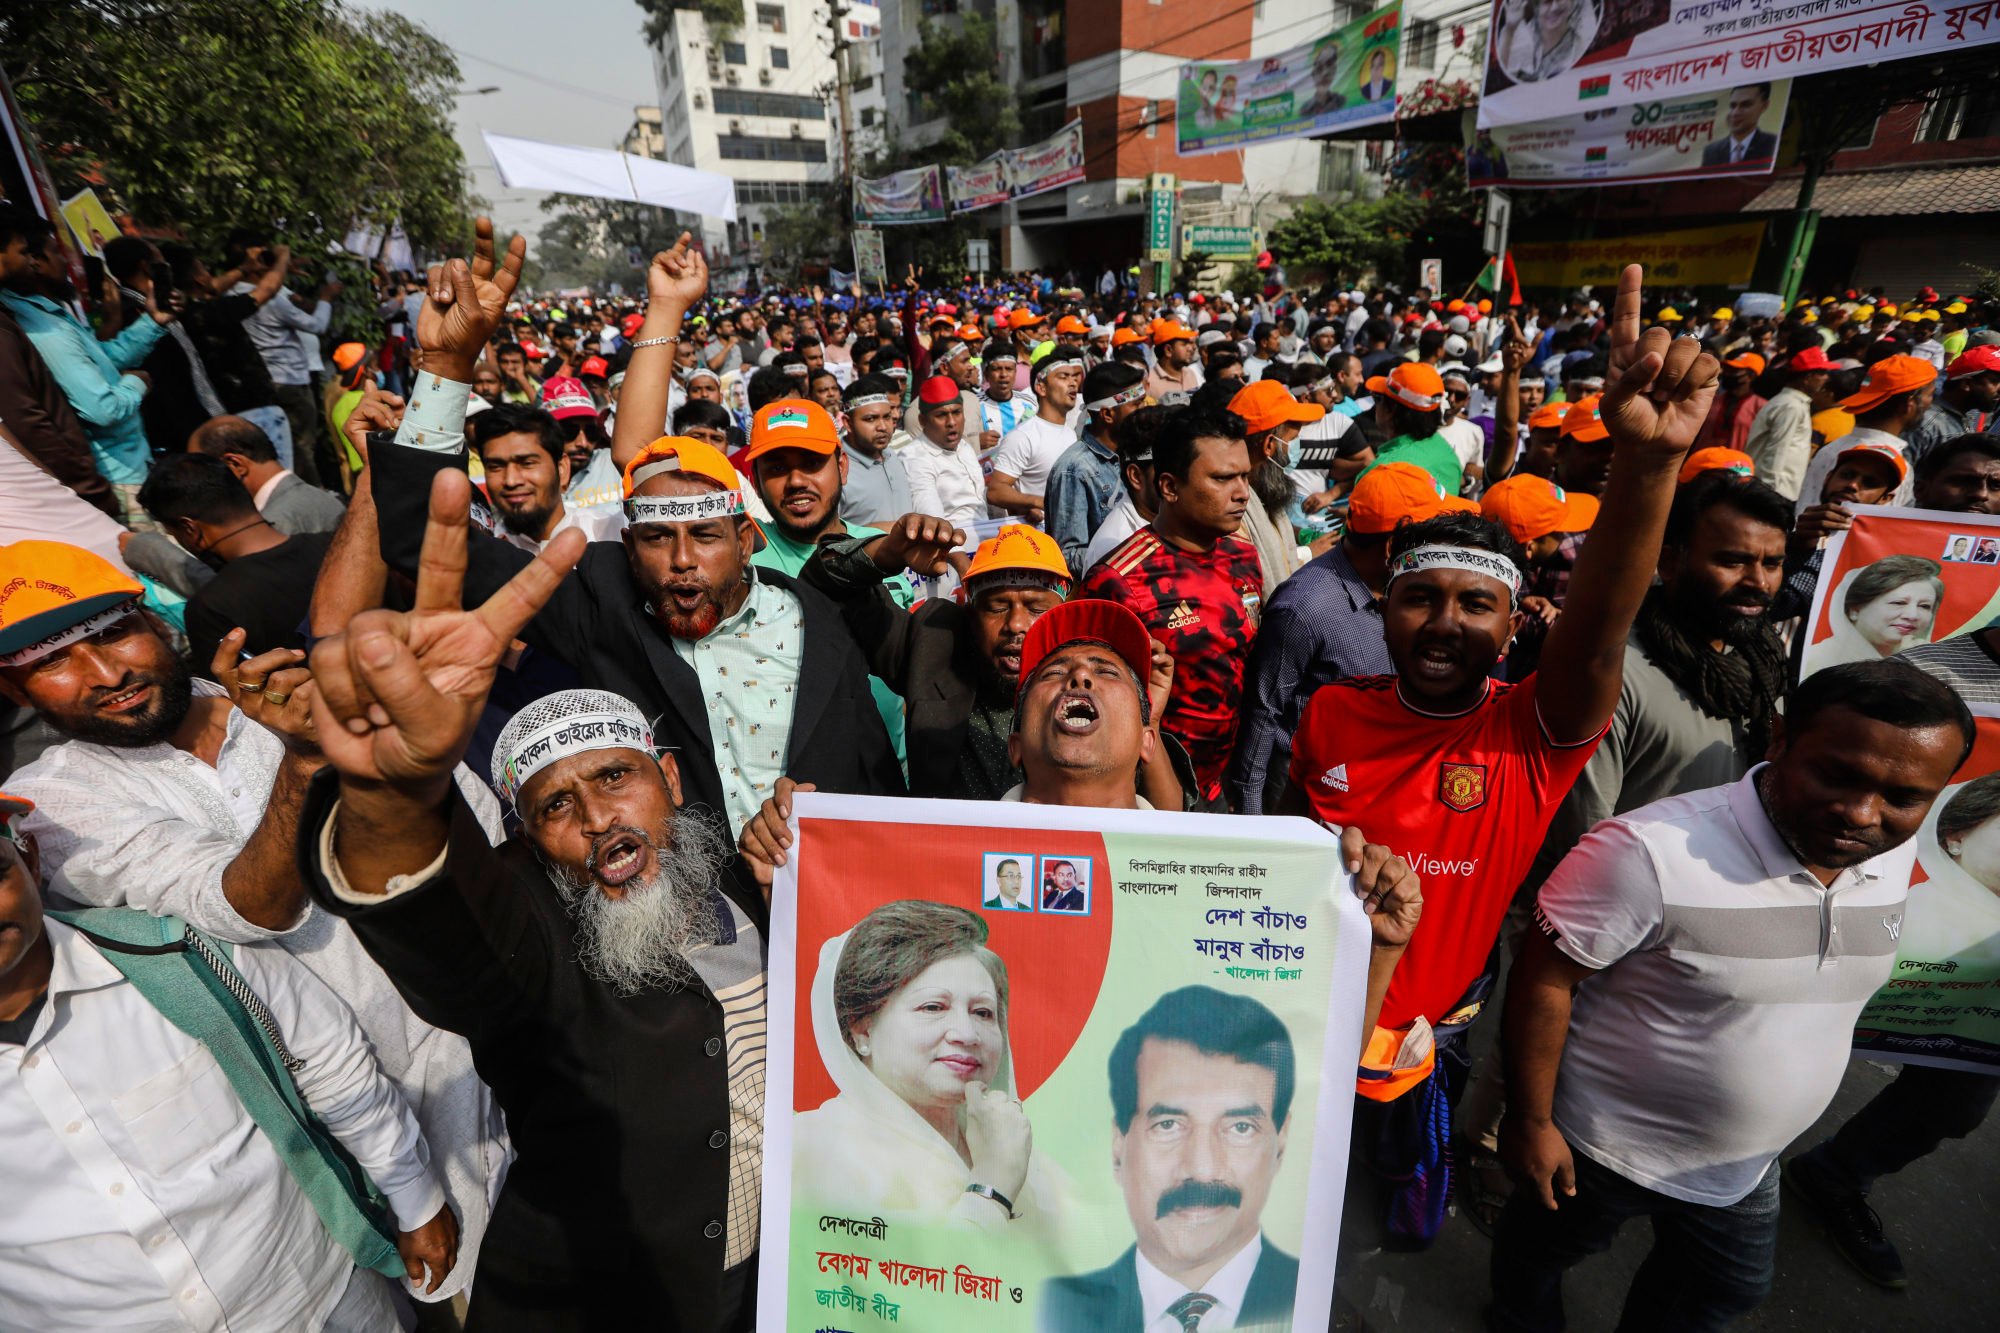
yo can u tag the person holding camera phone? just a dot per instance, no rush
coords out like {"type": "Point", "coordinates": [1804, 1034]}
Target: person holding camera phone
{"type": "Point", "coordinates": [274, 329]}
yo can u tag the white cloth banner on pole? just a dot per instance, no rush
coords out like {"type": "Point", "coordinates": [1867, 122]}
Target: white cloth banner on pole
{"type": "Point", "coordinates": [605, 173]}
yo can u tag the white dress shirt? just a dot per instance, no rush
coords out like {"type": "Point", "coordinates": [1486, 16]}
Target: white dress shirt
{"type": "Point", "coordinates": [597, 525]}
{"type": "Point", "coordinates": [154, 827]}
{"type": "Point", "coordinates": [141, 1194]}
{"type": "Point", "coordinates": [1230, 1284]}
{"type": "Point", "coordinates": [946, 483]}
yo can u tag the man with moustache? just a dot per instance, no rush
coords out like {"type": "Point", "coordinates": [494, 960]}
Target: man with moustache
{"type": "Point", "coordinates": [619, 1017]}
{"type": "Point", "coordinates": [747, 674]}
{"type": "Point", "coordinates": [527, 469]}
{"type": "Point", "coordinates": [1060, 892]}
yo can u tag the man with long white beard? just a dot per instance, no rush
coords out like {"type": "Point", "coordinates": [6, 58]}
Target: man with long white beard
{"type": "Point", "coordinates": [619, 1018]}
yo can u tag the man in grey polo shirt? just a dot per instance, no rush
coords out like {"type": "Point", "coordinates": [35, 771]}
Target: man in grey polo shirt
{"type": "Point", "coordinates": [877, 489]}
{"type": "Point", "coordinates": [1695, 979]}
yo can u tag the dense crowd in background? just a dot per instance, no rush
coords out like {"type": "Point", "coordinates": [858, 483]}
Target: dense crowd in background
{"type": "Point", "coordinates": [296, 651]}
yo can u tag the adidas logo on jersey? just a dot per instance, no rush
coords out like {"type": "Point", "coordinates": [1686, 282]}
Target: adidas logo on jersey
{"type": "Point", "coordinates": [1335, 777]}
{"type": "Point", "coordinates": [1184, 617]}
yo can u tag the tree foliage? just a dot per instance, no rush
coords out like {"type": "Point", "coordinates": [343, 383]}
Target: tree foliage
{"type": "Point", "coordinates": [953, 71]}
{"type": "Point", "coordinates": [1347, 241]}
{"type": "Point", "coordinates": [592, 242]}
{"type": "Point", "coordinates": [197, 116]}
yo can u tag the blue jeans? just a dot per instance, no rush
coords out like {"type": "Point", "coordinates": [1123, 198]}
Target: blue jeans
{"type": "Point", "coordinates": [1708, 1265]}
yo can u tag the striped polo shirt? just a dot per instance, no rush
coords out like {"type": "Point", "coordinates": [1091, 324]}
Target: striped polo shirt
{"type": "Point", "coordinates": [1717, 1026]}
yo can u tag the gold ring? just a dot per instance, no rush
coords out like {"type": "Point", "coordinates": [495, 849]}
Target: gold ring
{"type": "Point", "coordinates": [275, 696]}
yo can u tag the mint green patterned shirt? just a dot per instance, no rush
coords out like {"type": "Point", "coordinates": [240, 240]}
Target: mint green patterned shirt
{"type": "Point", "coordinates": [749, 670]}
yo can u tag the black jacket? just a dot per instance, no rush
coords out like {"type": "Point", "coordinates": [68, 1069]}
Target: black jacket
{"type": "Point", "coordinates": [614, 1209]}
{"type": "Point", "coordinates": [1107, 1301]}
{"type": "Point", "coordinates": [597, 623]}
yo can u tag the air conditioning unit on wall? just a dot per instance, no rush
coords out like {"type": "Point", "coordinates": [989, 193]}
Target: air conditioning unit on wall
{"type": "Point", "coordinates": [764, 77]}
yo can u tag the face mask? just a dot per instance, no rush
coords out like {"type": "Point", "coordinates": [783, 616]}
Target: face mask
{"type": "Point", "coordinates": [1295, 452]}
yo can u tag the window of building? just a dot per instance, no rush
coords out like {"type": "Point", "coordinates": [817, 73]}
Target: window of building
{"type": "Point", "coordinates": [734, 53]}
{"type": "Point", "coordinates": [1421, 43]}
{"type": "Point", "coordinates": [780, 58]}
{"type": "Point", "coordinates": [743, 102]}
{"type": "Point", "coordinates": [765, 148]}
{"type": "Point", "coordinates": [781, 192]}
{"type": "Point", "coordinates": [771, 18]}
{"type": "Point", "coordinates": [1974, 114]}
{"type": "Point", "coordinates": [867, 116]}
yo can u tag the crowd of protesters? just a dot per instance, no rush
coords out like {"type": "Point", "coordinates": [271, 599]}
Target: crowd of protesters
{"type": "Point", "coordinates": [295, 637]}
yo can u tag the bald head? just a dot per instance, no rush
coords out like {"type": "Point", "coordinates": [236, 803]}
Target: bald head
{"type": "Point", "coordinates": [219, 437]}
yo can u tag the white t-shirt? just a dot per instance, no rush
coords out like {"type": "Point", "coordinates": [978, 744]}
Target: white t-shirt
{"type": "Point", "coordinates": [1027, 453]}
{"type": "Point", "coordinates": [948, 484]}
{"type": "Point", "coordinates": [1466, 440]}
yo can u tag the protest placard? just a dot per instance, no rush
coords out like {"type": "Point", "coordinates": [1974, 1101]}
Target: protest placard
{"type": "Point", "coordinates": [1064, 1008]}
{"type": "Point", "coordinates": [1900, 577]}
{"type": "Point", "coordinates": [1345, 78]}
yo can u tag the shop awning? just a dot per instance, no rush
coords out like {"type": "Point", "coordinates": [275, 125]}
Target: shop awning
{"type": "Point", "coordinates": [1880, 194]}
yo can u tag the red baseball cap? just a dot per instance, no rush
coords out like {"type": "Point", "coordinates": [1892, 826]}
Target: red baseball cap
{"type": "Point", "coordinates": [938, 389]}
{"type": "Point", "coordinates": [1811, 359]}
{"type": "Point", "coordinates": [1976, 360]}
{"type": "Point", "coordinates": [564, 397]}
{"type": "Point", "coordinates": [1088, 620]}
{"type": "Point", "coordinates": [630, 324]}
{"type": "Point", "coordinates": [594, 365]}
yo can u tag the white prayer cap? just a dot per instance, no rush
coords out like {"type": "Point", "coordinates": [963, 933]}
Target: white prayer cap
{"type": "Point", "coordinates": [556, 726]}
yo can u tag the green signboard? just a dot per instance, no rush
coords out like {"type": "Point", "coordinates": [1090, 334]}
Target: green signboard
{"type": "Point", "coordinates": [1160, 218]}
{"type": "Point", "coordinates": [1221, 242]}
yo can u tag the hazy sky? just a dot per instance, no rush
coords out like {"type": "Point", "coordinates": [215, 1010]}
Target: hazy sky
{"type": "Point", "coordinates": [589, 65]}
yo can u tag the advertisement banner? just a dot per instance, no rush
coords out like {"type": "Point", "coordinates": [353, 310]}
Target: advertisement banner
{"type": "Point", "coordinates": [1055, 1006]}
{"type": "Point", "coordinates": [981, 185]}
{"type": "Point", "coordinates": [1160, 212]}
{"type": "Point", "coordinates": [1221, 242]}
{"type": "Point", "coordinates": [1943, 1005]}
{"type": "Point", "coordinates": [916, 195]}
{"type": "Point", "coordinates": [1050, 164]}
{"type": "Point", "coordinates": [869, 261]}
{"type": "Point", "coordinates": [1699, 256]}
{"type": "Point", "coordinates": [1347, 77]}
{"type": "Point", "coordinates": [1549, 58]}
{"type": "Point", "coordinates": [1728, 132]}
{"type": "Point", "coordinates": [1900, 577]}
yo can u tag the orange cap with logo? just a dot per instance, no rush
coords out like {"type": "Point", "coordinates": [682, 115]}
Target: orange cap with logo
{"type": "Point", "coordinates": [1887, 378]}
{"type": "Point", "coordinates": [1088, 620]}
{"type": "Point", "coordinates": [1390, 494]}
{"type": "Point", "coordinates": [791, 423]}
{"type": "Point", "coordinates": [1530, 507]}
{"type": "Point", "coordinates": [1170, 330]}
{"type": "Point", "coordinates": [1549, 416]}
{"type": "Point", "coordinates": [1023, 318]}
{"type": "Point", "coordinates": [1716, 457]}
{"type": "Point", "coordinates": [1267, 404]}
{"type": "Point", "coordinates": [1122, 337]}
{"type": "Point", "coordinates": [1071, 324]}
{"type": "Point", "coordinates": [1584, 422]}
{"type": "Point", "coordinates": [678, 453]}
{"type": "Point", "coordinates": [52, 594]}
{"type": "Point", "coordinates": [1414, 384]}
{"type": "Point", "coordinates": [1018, 556]}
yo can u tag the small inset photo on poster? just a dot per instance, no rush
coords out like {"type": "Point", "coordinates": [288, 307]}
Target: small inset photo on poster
{"type": "Point", "coordinates": [1958, 548]}
{"type": "Point", "coordinates": [1006, 882]}
{"type": "Point", "coordinates": [1986, 551]}
{"type": "Point", "coordinates": [1065, 885]}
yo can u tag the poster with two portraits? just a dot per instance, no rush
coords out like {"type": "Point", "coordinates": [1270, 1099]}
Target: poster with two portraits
{"type": "Point", "coordinates": [1897, 579]}
{"type": "Point", "coordinates": [1046, 1069]}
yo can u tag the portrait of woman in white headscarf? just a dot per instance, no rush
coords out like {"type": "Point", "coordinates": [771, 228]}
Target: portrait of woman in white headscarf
{"type": "Point", "coordinates": [1955, 912]}
{"type": "Point", "coordinates": [1539, 39]}
{"type": "Point", "coordinates": [910, 1015]}
{"type": "Point", "coordinates": [1879, 610]}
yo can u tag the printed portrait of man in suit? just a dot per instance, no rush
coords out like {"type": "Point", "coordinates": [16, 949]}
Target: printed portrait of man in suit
{"type": "Point", "coordinates": [1201, 1102]}
{"type": "Point", "coordinates": [1746, 143]}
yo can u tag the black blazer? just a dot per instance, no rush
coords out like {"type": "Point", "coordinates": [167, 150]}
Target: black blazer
{"type": "Point", "coordinates": [1763, 146]}
{"type": "Point", "coordinates": [612, 1215]}
{"type": "Point", "coordinates": [597, 623]}
{"type": "Point", "coordinates": [1107, 1301]}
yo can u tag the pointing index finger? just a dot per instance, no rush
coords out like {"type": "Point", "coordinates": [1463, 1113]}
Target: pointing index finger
{"type": "Point", "coordinates": [1625, 312]}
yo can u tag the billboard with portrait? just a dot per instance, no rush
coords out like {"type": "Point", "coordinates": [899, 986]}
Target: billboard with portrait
{"type": "Point", "coordinates": [1048, 165]}
{"type": "Point", "coordinates": [981, 185]}
{"type": "Point", "coordinates": [1901, 577]}
{"type": "Point", "coordinates": [902, 197]}
{"type": "Point", "coordinates": [1728, 132]}
{"type": "Point", "coordinates": [1548, 58]}
{"type": "Point", "coordinates": [1347, 77]}
{"type": "Point", "coordinates": [1021, 1054]}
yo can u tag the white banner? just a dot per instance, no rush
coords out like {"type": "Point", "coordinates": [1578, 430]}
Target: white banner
{"type": "Point", "coordinates": [1732, 132]}
{"type": "Point", "coordinates": [605, 173]}
{"type": "Point", "coordinates": [1549, 58]}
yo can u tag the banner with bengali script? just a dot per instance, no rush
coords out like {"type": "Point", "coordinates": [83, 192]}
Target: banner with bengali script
{"type": "Point", "coordinates": [981, 185]}
{"type": "Point", "coordinates": [1728, 132]}
{"type": "Point", "coordinates": [916, 195]}
{"type": "Point", "coordinates": [1048, 165]}
{"type": "Point", "coordinates": [1697, 257]}
{"type": "Point", "coordinates": [1345, 78]}
{"type": "Point", "coordinates": [1900, 577]}
{"type": "Point", "coordinates": [1029, 988]}
{"type": "Point", "coordinates": [1547, 58]}
{"type": "Point", "coordinates": [1942, 1004]}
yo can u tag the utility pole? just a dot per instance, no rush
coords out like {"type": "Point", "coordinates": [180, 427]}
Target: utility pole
{"type": "Point", "coordinates": [834, 13]}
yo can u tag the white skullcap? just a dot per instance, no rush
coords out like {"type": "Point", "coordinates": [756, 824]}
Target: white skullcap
{"type": "Point", "coordinates": [559, 725]}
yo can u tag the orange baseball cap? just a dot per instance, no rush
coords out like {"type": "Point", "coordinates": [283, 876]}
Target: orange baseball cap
{"type": "Point", "coordinates": [1749, 361]}
{"type": "Point", "coordinates": [1123, 337]}
{"type": "Point", "coordinates": [1878, 449]}
{"type": "Point", "coordinates": [1267, 404]}
{"type": "Point", "coordinates": [791, 423]}
{"type": "Point", "coordinates": [349, 355]}
{"type": "Point", "coordinates": [1714, 457]}
{"type": "Point", "coordinates": [1887, 378]}
{"type": "Point", "coordinates": [52, 594]}
{"type": "Point", "coordinates": [1170, 330]}
{"type": "Point", "coordinates": [1018, 556]}
{"type": "Point", "coordinates": [971, 333]}
{"type": "Point", "coordinates": [1584, 422]}
{"type": "Point", "coordinates": [678, 453]}
{"type": "Point", "coordinates": [1071, 324]}
{"type": "Point", "coordinates": [1413, 384]}
{"type": "Point", "coordinates": [1088, 620]}
{"type": "Point", "coordinates": [12, 808]}
{"type": "Point", "coordinates": [1390, 494]}
{"type": "Point", "coordinates": [1530, 507]}
{"type": "Point", "coordinates": [1024, 318]}
{"type": "Point", "coordinates": [1549, 416]}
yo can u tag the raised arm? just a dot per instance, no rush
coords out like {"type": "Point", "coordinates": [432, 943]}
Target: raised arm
{"type": "Point", "coordinates": [1515, 352]}
{"type": "Point", "coordinates": [676, 280]}
{"type": "Point", "coordinates": [1656, 396]}
{"type": "Point", "coordinates": [354, 578]}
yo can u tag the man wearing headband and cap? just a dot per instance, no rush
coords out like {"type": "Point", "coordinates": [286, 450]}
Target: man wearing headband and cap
{"type": "Point", "coordinates": [181, 797]}
{"type": "Point", "coordinates": [1480, 767]}
{"type": "Point", "coordinates": [953, 359]}
{"type": "Point", "coordinates": [1084, 483]}
{"type": "Point", "coordinates": [1018, 480]}
{"type": "Point", "coordinates": [220, 1212]}
{"type": "Point", "coordinates": [877, 488]}
{"type": "Point", "coordinates": [675, 609]}
{"type": "Point", "coordinates": [607, 966]}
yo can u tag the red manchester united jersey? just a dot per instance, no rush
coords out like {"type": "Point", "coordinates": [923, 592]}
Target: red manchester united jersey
{"type": "Point", "coordinates": [1203, 605]}
{"type": "Point", "coordinates": [1464, 799]}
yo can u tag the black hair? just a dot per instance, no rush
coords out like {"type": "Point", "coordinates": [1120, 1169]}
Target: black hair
{"type": "Point", "coordinates": [1136, 434]}
{"type": "Point", "coordinates": [1753, 499]}
{"type": "Point", "coordinates": [236, 247]}
{"type": "Point", "coordinates": [234, 435]}
{"type": "Point", "coordinates": [1458, 528]}
{"type": "Point", "coordinates": [786, 360]}
{"type": "Point", "coordinates": [505, 348]}
{"type": "Point", "coordinates": [1428, 342]}
{"type": "Point", "coordinates": [813, 377]}
{"type": "Point", "coordinates": [1174, 447]}
{"type": "Point", "coordinates": [1413, 422]}
{"type": "Point", "coordinates": [516, 419]}
{"type": "Point", "coordinates": [1108, 378]}
{"type": "Point", "coordinates": [699, 412]}
{"type": "Point", "coordinates": [769, 385]}
{"type": "Point", "coordinates": [867, 385]}
{"type": "Point", "coordinates": [22, 221]}
{"type": "Point", "coordinates": [1943, 454]}
{"type": "Point", "coordinates": [124, 256]}
{"type": "Point", "coordinates": [195, 486]}
{"type": "Point", "coordinates": [1887, 689]}
{"type": "Point", "coordinates": [1262, 331]}
{"type": "Point", "coordinates": [1214, 1022]}
{"type": "Point", "coordinates": [806, 340]}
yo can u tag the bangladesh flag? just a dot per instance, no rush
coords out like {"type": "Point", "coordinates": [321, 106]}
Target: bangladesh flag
{"type": "Point", "coordinates": [1499, 271]}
